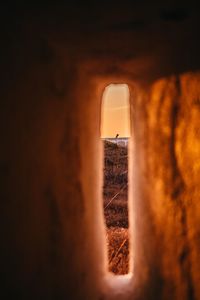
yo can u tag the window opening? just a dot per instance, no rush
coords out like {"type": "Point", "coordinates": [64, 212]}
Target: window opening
{"type": "Point", "coordinates": [115, 133]}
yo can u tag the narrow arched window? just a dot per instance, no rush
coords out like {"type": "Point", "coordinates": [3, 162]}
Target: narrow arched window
{"type": "Point", "coordinates": [115, 133]}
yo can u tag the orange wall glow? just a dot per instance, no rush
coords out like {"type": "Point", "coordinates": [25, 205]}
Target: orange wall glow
{"type": "Point", "coordinates": [115, 111]}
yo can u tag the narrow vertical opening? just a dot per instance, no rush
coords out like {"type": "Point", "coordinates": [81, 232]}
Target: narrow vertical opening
{"type": "Point", "coordinates": [115, 134]}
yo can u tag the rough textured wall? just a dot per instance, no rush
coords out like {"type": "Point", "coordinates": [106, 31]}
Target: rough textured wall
{"type": "Point", "coordinates": [44, 229]}
{"type": "Point", "coordinates": [167, 161]}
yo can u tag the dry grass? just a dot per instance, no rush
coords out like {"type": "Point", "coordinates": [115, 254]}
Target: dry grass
{"type": "Point", "coordinates": [118, 250]}
{"type": "Point", "coordinates": [116, 213]}
{"type": "Point", "coordinates": [116, 207]}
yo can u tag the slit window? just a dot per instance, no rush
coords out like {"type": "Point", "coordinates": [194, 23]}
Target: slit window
{"type": "Point", "coordinates": [115, 134]}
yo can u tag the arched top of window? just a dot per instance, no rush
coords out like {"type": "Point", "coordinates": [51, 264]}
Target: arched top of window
{"type": "Point", "coordinates": [115, 111]}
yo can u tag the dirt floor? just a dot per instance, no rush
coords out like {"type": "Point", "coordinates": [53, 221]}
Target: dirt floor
{"type": "Point", "coordinates": [116, 206]}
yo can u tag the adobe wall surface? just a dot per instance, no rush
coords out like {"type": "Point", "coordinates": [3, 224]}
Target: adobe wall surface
{"type": "Point", "coordinates": [52, 80]}
{"type": "Point", "coordinates": [167, 171]}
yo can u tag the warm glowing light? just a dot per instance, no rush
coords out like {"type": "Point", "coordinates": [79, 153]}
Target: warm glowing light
{"type": "Point", "coordinates": [115, 111]}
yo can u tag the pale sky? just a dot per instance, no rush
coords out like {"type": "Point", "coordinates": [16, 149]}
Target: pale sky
{"type": "Point", "coordinates": [115, 111]}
